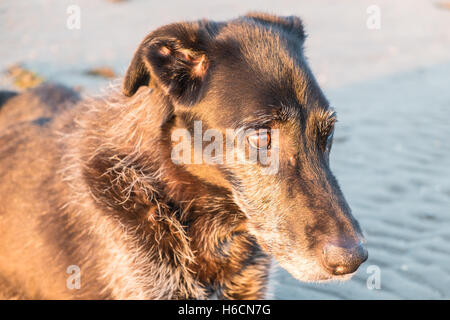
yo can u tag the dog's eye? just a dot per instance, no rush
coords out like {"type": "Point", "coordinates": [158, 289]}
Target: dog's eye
{"type": "Point", "coordinates": [259, 140]}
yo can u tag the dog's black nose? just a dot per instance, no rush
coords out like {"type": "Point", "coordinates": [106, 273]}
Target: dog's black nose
{"type": "Point", "coordinates": [340, 260]}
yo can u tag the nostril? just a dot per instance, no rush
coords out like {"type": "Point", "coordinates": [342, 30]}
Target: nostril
{"type": "Point", "coordinates": [343, 260]}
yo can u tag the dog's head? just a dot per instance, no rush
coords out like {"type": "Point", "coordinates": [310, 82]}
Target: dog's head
{"type": "Point", "coordinates": [250, 75]}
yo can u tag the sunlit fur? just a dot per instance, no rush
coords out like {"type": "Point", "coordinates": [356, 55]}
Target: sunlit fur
{"type": "Point", "coordinates": [90, 182]}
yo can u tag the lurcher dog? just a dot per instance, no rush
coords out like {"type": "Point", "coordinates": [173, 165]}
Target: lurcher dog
{"type": "Point", "coordinates": [89, 188]}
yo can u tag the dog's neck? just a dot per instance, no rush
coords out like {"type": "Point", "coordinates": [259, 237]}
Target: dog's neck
{"type": "Point", "coordinates": [129, 166]}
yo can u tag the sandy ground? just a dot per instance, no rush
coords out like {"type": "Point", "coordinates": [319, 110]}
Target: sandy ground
{"type": "Point", "coordinates": [391, 88]}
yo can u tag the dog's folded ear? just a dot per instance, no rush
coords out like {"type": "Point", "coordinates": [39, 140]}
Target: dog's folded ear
{"type": "Point", "coordinates": [290, 24]}
{"type": "Point", "coordinates": [174, 58]}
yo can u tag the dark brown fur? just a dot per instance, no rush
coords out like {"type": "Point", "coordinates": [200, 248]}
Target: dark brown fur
{"type": "Point", "coordinates": [92, 184]}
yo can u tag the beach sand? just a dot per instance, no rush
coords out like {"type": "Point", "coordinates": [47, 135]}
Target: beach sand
{"type": "Point", "coordinates": [390, 87]}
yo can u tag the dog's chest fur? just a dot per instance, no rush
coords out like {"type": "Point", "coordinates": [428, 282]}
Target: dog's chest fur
{"type": "Point", "coordinates": [140, 227]}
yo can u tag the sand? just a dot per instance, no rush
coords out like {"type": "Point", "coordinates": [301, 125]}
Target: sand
{"type": "Point", "coordinates": [390, 87]}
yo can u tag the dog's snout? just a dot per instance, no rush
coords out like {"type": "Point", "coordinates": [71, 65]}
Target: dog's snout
{"type": "Point", "coordinates": [340, 260]}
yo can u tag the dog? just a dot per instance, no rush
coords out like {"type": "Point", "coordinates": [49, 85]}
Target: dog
{"type": "Point", "coordinates": [92, 205]}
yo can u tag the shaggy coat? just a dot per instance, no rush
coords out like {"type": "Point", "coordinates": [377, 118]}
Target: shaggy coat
{"type": "Point", "coordinates": [89, 184]}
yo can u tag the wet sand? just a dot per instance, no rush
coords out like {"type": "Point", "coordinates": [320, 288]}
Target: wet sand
{"type": "Point", "coordinates": [390, 87]}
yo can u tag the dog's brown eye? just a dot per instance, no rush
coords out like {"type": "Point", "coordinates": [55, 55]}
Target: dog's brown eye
{"type": "Point", "coordinates": [259, 140]}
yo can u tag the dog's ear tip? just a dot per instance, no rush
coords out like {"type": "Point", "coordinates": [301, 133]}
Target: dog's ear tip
{"type": "Point", "coordinates": [137, 75]}
{"type": "Point", "coordinates": [128, 91]}
{"type": "Point", "coordinates": [127, 88]}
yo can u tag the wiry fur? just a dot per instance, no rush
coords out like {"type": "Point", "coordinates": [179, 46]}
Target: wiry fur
{"type": "Point", "coordinates": [91, 183]}
{"type": "Point", "coordinates": [118, 219]}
